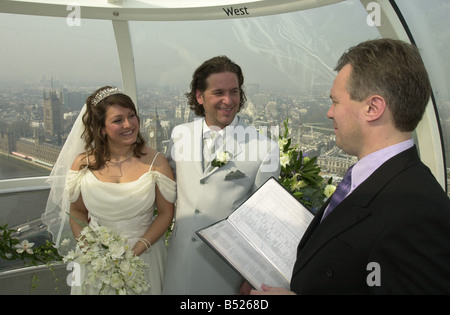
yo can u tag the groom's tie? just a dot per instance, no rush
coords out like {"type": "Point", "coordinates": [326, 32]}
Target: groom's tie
{"type": "Point", "coordinates": [340, 193]}
{"type": "Point", "coordinates": [208, 151]}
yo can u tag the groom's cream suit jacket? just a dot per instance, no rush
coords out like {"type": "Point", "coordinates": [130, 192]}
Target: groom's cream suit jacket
{"type": "Point", "coordinates": [207, 196]}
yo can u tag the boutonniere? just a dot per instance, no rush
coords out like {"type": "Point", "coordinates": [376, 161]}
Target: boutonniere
{"type": "Point", "coordinates": [221, 159]}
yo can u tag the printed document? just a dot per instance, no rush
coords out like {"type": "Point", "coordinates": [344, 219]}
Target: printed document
{"type": "Point", "coordinates": [260, 238]}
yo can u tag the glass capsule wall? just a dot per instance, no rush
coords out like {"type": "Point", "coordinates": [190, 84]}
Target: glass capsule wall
{"type": "Point", "coordinates": [287, 59]}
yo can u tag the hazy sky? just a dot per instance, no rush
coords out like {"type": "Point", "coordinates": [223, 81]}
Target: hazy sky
{"type": "Point", "coordinates": [296, 50]}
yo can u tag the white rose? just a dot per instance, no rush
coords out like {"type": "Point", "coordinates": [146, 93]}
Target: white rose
{"type": "Point", "coordinates": [329, 190]}
{"type": "Point", "coordinates": [85, 259]}
{"type": "Point", "coordinates": [116, 250]}
{"type": "Point", "coordinates": [116, 281]}
{"type": "Point", "coordinates": [97, 264]}
{"type": "Point", "coordinates": [71, 255]}
{"type": "Point", "coordinates": [223, 157]}
{"type": "Point", "coordinates": [125, 266]}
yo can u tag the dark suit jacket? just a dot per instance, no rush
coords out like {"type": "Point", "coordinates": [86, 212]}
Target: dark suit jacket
{"type": "Point", "coordinates": [399, 219]}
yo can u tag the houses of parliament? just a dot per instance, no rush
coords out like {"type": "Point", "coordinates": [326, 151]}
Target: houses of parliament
{"type": "Point", "coordinates": [48, 137]}
{"type": "Point", "coordinates": [44, 128]}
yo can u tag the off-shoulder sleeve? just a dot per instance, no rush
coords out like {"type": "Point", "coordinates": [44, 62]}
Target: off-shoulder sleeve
{"type": "Point", "coordinates": [167, 186]}
{"type": "Point", "coordinates": [73, 182]}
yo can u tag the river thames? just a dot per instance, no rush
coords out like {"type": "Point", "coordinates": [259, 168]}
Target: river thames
{"type": "Point", "coordinates": [11, 167]}
{"type": "Point", "coordinates": [20, 210]}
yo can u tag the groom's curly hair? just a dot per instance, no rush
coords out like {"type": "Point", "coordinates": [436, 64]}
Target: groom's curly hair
{"type": "Point", "coordinates": [217, 64]}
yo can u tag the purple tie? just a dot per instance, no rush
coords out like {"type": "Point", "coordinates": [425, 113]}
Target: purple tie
{"type": "Point", "coordinates": [340, 193]}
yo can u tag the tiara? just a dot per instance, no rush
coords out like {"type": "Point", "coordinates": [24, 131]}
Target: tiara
{"type": "Point", "coordinates": [103, 94]}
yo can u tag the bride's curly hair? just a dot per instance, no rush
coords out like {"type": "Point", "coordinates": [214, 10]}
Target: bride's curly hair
{"type": "Point", "coordinates": [94, 122]}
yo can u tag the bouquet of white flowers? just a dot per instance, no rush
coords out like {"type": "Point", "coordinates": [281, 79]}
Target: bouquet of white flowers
{"type": "Point", "coordinates": [111, 265]}
{"type": "Point", "coordinates": [301, 174]}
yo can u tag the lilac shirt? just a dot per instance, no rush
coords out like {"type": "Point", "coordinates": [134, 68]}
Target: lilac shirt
{"type": "Point", "coordinates": [368, 164]}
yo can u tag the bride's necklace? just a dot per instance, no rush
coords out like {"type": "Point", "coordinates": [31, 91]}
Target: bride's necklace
{"type": "Point", "coordinates": [115, 168]}
{"type": "Point", "coordinates": [119, 162]}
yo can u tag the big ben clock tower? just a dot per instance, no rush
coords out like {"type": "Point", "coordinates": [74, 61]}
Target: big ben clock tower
{"type": "Point", "coordinates": [155, 133]}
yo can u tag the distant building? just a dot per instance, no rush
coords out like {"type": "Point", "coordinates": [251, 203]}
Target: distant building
{"type": "Point", "coordinates": [37, 149]}
{"type": "Point", "coordinates": [335, 165]}
{"type": "Point", "coordinates": [155, 133]}
{"type": "Point", "coordinates": [188, 114]}
{"type": "Point", "coordinates": [53, 114]}
{"type": "Point", "coordinates": [75, 100]}
{"type": "Point", "coordinates": [249, 110]}
{"type": "Point", "coordinates": [183, 113]}
{"type": "Point", "coordinates": [7, 143]}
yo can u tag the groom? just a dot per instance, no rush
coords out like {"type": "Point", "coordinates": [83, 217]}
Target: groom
{"type": "Point", "coordinates": [219, 162]}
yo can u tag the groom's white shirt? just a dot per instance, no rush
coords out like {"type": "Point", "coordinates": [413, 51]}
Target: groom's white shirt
{"type": "Point", "coordinates": [205, 196]}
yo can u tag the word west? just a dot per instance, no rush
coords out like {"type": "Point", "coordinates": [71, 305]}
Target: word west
{"type": "Point", "coordinates": [74, 17]}
{"type": "Point", "coordinates": [374, 17]}
{"type": "Point", "coordinates": [374, 277]}
{"type": "Point", "coordinates": [236, 12]}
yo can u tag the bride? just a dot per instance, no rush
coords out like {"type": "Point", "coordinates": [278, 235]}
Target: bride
{"type": "Point", "coordinates": [116, 182]}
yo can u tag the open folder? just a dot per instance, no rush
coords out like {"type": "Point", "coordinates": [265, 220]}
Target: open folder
{"type": "Point", "coordinates": [259, 239]}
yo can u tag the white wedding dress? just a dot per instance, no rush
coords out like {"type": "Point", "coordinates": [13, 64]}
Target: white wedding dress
{"type": "Point", "coordinates": [127, 209]}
